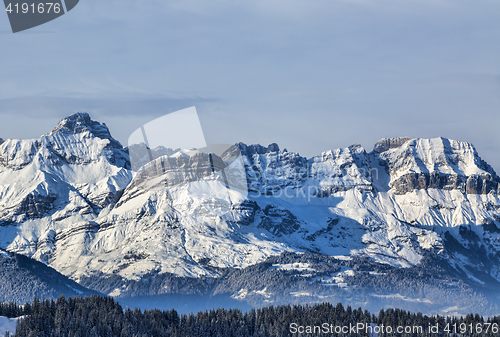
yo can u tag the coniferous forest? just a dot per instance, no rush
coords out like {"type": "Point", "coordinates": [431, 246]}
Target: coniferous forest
{"type": "Point", "coordinates": [98, 316]}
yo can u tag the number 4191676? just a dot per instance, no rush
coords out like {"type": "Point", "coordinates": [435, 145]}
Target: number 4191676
{"type": "Point", "coordinates": [40, 8]}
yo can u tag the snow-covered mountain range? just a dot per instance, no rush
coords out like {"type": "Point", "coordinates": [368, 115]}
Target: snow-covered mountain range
{"type": "Point", "coordinates": [70, 200]}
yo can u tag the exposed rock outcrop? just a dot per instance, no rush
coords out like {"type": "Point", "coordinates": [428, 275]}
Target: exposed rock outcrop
{"type": "Point", "coordinates": [246, 211]}
{"type": "Point", "coordinates": [481, 184]}
{"type": "Point", "coordinates": [439, 163]}
{"type": "Point", "coordinates": [417, 181]}
{"type": "Point", "coordinates": [35, 206]}
{"type": "Point", "coordinates": [249, 150]}
{"type": "Point", "coordinates": [389, 143]}
{"type": "Point", "coordinates": [180, 169]}
{"type": "Point", "coordinates": [279, 221]}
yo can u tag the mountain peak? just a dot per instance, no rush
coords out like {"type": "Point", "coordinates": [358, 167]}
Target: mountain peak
{"type": "Point", "coordinates": [1, 141]}
{"type": "Point", "coordinates": [81, 122]}
{"type": "Point", "coordinates": [76, 123]}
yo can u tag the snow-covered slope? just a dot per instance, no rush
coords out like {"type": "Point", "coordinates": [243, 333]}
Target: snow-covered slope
{"type": "Point", "coordinates": [70, 200]}
{"type": "Point", "coordinates": [8, 325]}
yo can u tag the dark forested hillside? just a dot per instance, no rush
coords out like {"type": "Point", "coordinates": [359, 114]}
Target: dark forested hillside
{"type": "Point", "coordinates": [23, 278]}
{"type": "Point", "coordinates": [98, 316]}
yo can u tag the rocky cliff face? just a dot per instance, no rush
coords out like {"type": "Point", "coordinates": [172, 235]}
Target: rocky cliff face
{"type": "Point", "coordinates": [415, 164]}
{"type": "Point", "coordinates": [389, 143]}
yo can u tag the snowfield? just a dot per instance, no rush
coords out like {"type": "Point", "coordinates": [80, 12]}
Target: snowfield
{"type": "Point", "coordinates": [8, 324]}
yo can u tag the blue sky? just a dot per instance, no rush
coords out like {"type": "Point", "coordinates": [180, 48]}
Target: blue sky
{"type": "Point", "coordinates": [309, 75]}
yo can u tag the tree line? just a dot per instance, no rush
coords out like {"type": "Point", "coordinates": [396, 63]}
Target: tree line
{"type": "Point", "coordinates": [98, 316]}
